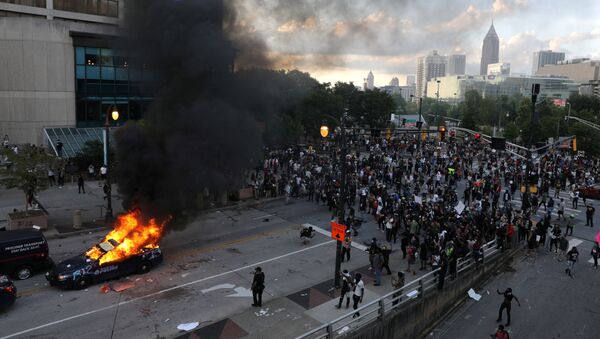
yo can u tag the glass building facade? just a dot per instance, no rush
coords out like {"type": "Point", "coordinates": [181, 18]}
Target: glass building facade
{"type": "Point", "coordinates": [106, 77]}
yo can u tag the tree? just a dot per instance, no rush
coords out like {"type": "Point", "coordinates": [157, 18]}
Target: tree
{"type": "Point", "coordinates": [27, 170]}
{"type": "Point", "coordinates": [470, 109]}
{"type": "Point", "coordinates": [378, 107]}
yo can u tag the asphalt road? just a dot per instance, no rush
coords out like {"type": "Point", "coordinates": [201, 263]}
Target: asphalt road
{"type": "Point", "coordinates": [206, 276]}
{"type": "Point", "coordinates": [204, 264]}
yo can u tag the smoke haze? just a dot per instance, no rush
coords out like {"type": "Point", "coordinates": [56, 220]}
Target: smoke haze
{"type": "Point", "coordinates": [195, 134]}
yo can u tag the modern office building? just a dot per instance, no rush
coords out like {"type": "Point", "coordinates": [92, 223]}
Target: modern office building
{"type": "Point", "coordinates": [61, 72]}
{"type": "Point", "coordinates": [489, 50]}
{"type": "Point", "coordinates": [369, 83]}
{"type": "Point", "coordinates": [429, 67]}
{"type": "Point", "coordinates": [584, 71]}
{"type": "Point", "coordinates": [395, 82]}
{"type": "Point", "coordinates": [500, 68]}
{"type": "Point", "coordinates": [543, 58]}
{"type": "Point", "coordinates": [456, 64]}
{"type": "Point", "coordinates": [404, 91]}
{"type": "Point", "coordinates": [411, 80]}
{"type": "Point", "coordinates": [453, 88]}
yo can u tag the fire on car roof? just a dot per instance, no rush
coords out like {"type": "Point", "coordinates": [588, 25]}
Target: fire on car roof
{"type": "Point", "coordinates": [131, 235]}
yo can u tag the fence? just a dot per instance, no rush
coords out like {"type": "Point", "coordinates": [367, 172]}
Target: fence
{"type": "Point", "coordinates": [394, 301]}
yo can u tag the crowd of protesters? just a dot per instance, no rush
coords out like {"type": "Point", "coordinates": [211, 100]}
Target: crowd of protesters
{"type": "Point", "coordinates": [411, 192]}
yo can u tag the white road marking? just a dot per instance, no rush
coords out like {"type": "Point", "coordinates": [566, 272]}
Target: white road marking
{"type": "Point", "coordinates": [574, 242]}
{"type": "Point", "coordinates": [240, 292]}
{"type": "Point", "coordinates": [263, 216]}
{"type": "Point", "coordinates": [218, 287]}
{"type": "Point", "coordinates": [328, 234]}
{"type": "Point", "coordinates": [162, 291]}
{"type": "Point", "coordinates": [591, 261]}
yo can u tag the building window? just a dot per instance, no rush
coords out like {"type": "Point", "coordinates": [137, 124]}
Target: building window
{"type": "Point", "coordinates": [104, 77]}
{"type": "Point", "coordinates": [32, 3]}
{"type": "Point", "coordinates": [95, 7]}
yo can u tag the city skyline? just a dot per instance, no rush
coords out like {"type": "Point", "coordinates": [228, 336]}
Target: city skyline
{"type": "Point", "coordinates": [343, 41]}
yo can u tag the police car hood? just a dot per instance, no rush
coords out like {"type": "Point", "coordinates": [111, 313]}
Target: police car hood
{"type": "Point", "coordinates": [72, 264]}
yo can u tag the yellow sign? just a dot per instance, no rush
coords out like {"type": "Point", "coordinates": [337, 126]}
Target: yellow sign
{"type": "Point", "coordinates": [532, 189]}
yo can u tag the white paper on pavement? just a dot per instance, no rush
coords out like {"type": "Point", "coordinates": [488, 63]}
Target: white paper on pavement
{"type": "Point", "coordinates": [418, 200]}
{"type": "Point", "coordinates": [460, 207]}
{"type": "Point", "coordinates": [412, 294]}
{"type": "Point", "coordinates": [474, 295]}
{"type": "Point", "coordinates": [188, 326]}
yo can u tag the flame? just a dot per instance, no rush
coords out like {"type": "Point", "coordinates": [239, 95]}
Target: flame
{"type": "Point", "coordinates": [132, 234]}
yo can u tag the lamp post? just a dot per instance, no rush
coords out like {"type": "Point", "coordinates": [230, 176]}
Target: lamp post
{"type": "Point", "coordinates": [114, 113]}
{"type": "Point", "coordinates": [341, 206]}
{"type": "Point", "coordinates": [419, 123]}
{"type": "Point", "coordinates": [437, 103]}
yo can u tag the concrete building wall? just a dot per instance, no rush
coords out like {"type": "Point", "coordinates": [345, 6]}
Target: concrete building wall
{"type": "Point", "coordinates": [582, 72]}
{"type": "Point", "coordinates": [37, 75]}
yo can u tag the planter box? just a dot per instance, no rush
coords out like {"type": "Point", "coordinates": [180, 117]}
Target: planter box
{"type": "Point", "coordinates": [27, 219]}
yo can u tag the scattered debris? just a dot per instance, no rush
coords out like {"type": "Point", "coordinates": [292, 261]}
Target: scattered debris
{"type": "Point", "coordinates": [262, 313]}
{"type": "Point", "coordinates": [104, 289]}
{"type": "Point", "coordinates": [474, 295]}
{"type": "Point", "coordinates": [167, 320]}
{"type": "Point", "coordinates": [185, 275]}
{"type": "Point", "coordinates": [149, 280]}
{"type": "Point", "coordinates": [187, 326]}
{"type": "Point", "coordinates": [122, 286]}
{"type": "Point", "coordinates": [413, 294]}
{"type": "Point", "coordinates": [344, 330]}
{"type": "Point", "coordinates": [303, 294]}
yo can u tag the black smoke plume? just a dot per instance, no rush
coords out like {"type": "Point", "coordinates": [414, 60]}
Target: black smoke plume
{"type": "Point", "coordinates": [196, 135]}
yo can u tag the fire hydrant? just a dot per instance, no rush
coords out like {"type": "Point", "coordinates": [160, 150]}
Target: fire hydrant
{"type": "Point", "coordinates": [77, 219]}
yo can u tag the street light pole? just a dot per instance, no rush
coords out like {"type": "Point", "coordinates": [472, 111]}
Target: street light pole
{"type": "Point", "coordinates": [419, 123]}
{"type": "Point", "coordinates": [437, 103]}
{"type": "Point", "coordinates": [342, 201]}
{"type": "Point", "coordinates": [115, 116]}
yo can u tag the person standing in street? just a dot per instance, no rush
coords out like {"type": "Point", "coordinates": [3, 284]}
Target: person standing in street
{"type": "Point", "coordinates": [572, 258]}
{"type": "Point", "coordinates": [378, 267]}
{"type": "Point", "coordinates": [258, 286]}
{"type": "Point", "coordinates": [359, 291]}
{"type": "Point", "coordinates": [346, 246]}
{"type": "Point", "coordinates": [506, 304]}
{"type": "Point", "coordinates": [589, 215]}
{"type": "Point", "coordinates": [80, 184]}
{"type": "Point", "coordinates": [501, 333]}
{"type": "Point", "coordinates": [397, 283]}
{"type": "Point", "coordinates": [346, 290]}
{"type": "Point", "coordinates": [595, 254]}
{"type": "Point", "coordinates": [570, 221]}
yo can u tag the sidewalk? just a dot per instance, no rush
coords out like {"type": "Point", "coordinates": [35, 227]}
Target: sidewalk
{"type": "Point", "coordinates": [301, 311]}
{"type": "Point", "coordinates": [61, 204]}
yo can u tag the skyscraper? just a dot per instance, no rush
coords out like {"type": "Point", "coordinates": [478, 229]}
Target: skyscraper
{"type": "Point", "coordinates": [542, 58]}
{"type": "Point", "coordinates": [429, 67]}
{"type": "Point", "coordinates": [457, 64]}
{"type": "Point", "coordinates": [369, 82]}
{"type": "Point", "coordinates": [490, 50]}
{"type": "Point", "coordinates": [395, 82]}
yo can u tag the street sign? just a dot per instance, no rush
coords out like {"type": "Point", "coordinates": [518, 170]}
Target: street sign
{"type": "Point", "coordinates": [338, 231]}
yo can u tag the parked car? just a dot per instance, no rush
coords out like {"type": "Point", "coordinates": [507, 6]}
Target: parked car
{"type": "Point", "coordinates": [590, 192]}
{"type": "Point", "coordinates": [8, 292]}
{"type": "Point", "coordinates": [22, 252]}
{"type": "Point", "coordinates": [81, 271]}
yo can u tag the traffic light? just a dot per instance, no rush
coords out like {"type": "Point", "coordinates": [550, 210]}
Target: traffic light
{"type": "Point", "coordinates": [574, 144]}
{"type": "Point", "coordinates": [442, 131]}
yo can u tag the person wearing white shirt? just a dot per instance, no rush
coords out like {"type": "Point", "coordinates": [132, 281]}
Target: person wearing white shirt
{"type": "Point", "coordinates": [359, 291]}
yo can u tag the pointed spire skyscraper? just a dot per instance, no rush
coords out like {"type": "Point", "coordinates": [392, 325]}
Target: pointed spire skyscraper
{"type": "Point", "coordinates": [490, 49]}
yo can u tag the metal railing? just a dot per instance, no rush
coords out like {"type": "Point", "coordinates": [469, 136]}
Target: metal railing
{"type": "Point", "coordinates": [408, 294]}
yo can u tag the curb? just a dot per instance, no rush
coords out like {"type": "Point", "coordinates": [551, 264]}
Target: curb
{"type": "Point", "coordinates": [255, 203]}
{"type": "Point", "coordinates": [427, 332]}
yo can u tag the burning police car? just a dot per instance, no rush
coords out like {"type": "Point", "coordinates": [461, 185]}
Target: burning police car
{"type": "Point", "coordinates": [90, 268]}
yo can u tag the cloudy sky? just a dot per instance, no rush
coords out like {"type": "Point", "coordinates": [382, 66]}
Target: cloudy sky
{"type": "Point", "coordinates": [344, 39]}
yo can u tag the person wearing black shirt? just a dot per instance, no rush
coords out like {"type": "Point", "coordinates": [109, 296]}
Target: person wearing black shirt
{"type": "Point", "coordinates": [506, 304]}
{"type": "Point", "coordinates": [258, 286]}
{"type": "Point", "coordinates": [572, 258]}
